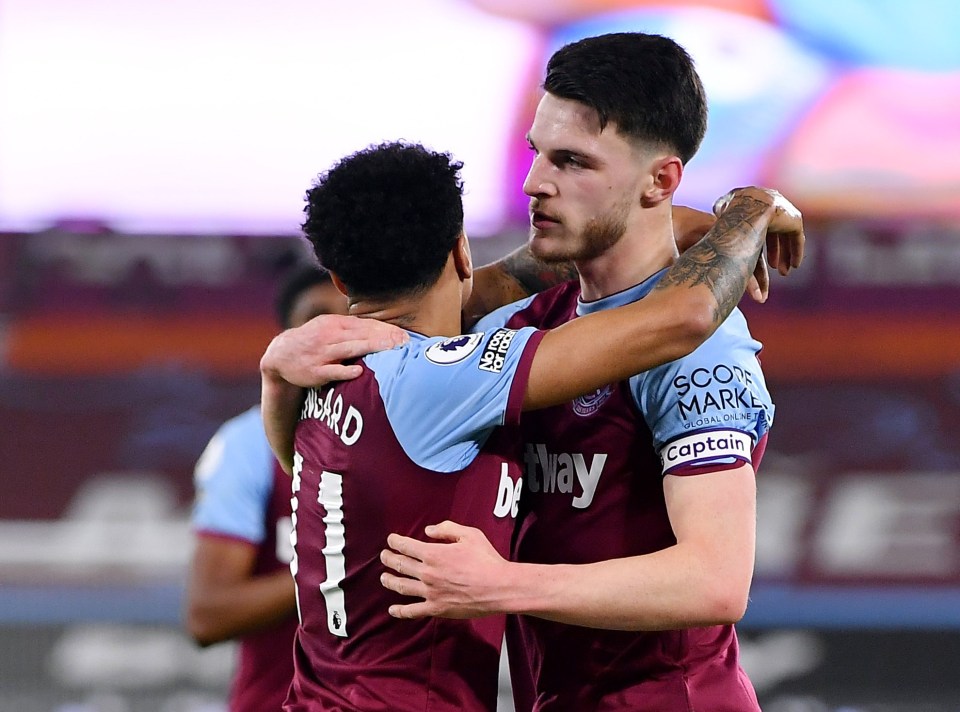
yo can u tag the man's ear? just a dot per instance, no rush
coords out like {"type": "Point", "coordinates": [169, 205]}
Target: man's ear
{"type": "Point", "coordinates": [667, 172]}
{"type": "Point", "coordinates": [462, 258]}
{"type": "Point", "coordinates": [338, 283]}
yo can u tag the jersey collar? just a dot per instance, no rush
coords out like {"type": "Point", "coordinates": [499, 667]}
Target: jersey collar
{"type": "Point", "coordinates": [619, 299]}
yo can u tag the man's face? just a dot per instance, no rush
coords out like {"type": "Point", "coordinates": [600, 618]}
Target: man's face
{"type": "Point", "coordinates": [321, 298]}
{"type": "Point", "coordinates": [584, 184]}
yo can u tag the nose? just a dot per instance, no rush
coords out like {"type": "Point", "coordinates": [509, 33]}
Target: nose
{"type": "Point", "coordinates": [537, 184]}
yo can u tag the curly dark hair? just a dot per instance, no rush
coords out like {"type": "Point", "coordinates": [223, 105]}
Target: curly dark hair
{"type": "Point", "coordinates": [385, 219]}
{"type": "Point", "coordinates": [646, 84]}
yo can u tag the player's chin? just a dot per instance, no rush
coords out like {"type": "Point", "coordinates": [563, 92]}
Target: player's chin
{"type": "Point", "coordinates": [548, 248]}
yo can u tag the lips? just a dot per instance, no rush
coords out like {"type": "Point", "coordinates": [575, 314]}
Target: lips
{"type": "Point", "coordinates": [542, 221]}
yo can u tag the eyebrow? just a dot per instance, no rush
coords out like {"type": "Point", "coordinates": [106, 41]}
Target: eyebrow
{"type": "Point", "coordinates": [560, 151]}
{"type": "Point", "coordinates": [558, 154]}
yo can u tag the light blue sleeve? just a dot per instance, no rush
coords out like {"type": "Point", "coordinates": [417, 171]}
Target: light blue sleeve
{"type": "Point", "coordinates": [443, 397]}
{"type": "Point", "coordinates": [711, 406]}
{"type": "Point", "coordinates": [234, 480]}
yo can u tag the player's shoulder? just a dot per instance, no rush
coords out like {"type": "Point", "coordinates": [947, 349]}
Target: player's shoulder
{"type": "Point", "coordinates": [450, 369]}
{"type": "Point", "coordinates": [731, 346]}
{"type": "Point", "coordinates": [423, 355]}
{"type": "Point", "coordinates": [442, 396]}
{"type": "Point", "coordinates": [242, 430]}
{"type": "Point", "coordinates": [731, 340]}
{"type": "Point", "coordinates": [535, 310]}
{"type": "Point", "coordinates": [241, 437]}
{"type": "Point", "coordinates": [245, 423]}
{"type": "Point", "coordinates": [407, 368]}
{"type": "Point", "coordinates": [735, 325]}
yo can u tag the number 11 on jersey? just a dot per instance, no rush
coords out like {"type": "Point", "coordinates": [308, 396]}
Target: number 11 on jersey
{"type": "Point", "coordinates": [330, 496]}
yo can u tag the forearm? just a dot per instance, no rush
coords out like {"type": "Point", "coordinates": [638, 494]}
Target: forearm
{"type": "Point", "coordinates": [665, 590]}
{"type": "Point", "coordinates": [228, 610]}
{"type": "Point", "coordinates": [723, 261]}
{"type": "Point", "coordinates": [704, 579]}
{"type": "Point", "coordinates": [519, 274]}
{"type": "Point", "coordinates": [516, 276]}
{"type": "Point", "coordinates": [592, 351]}
{"type": "Point", "coordinates": [280, 404]}
{"type": "Point", "coordinates": [688, 304]}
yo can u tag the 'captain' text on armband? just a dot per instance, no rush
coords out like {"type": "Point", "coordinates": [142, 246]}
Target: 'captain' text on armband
{"type": "Point", "coordinates": [323, 406]}
{"type": "Point", "coordinates": [713, 445]}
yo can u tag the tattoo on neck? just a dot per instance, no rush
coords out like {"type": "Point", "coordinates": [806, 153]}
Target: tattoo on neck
{"type": "Point", "coordinates": [533, 275]}
{"type": "Point", "coordinates": [724, 259]}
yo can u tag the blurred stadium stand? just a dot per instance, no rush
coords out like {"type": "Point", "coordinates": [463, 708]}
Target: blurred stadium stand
{"type": "Point", "coordinates": [122, 354]}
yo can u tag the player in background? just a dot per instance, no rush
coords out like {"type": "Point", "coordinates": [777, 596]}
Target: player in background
{"type": "Point", "coordinates": [239, 579]}
{"type": "Point", "coordinates": [417, 435]}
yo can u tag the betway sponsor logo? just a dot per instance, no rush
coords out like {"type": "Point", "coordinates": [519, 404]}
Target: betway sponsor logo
{"type": "Point", "coordinates": [508, 494]}
{"type": "Point", "coordinates": [549, 472]}
{"type": "Point", "coordinates": [706, 446]}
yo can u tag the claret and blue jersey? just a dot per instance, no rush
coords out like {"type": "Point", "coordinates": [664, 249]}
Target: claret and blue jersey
{"type": "Point", "coordinates": [593, 471]}
{"type": "Point", "coordinates": [242, 494]}
{"type": "Point", "coordinates": [416, 439]}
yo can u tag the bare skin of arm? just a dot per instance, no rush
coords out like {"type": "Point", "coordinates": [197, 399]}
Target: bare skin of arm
{"type": "Point", "coordinates": [704, 579]}
{"type": "Point", "coordinates": [519, 274]}
{"type": "Point", "coordinates": [225, 600]}
{"type": "Point", "coordinates": [687, 305]}
{"type": "Point", "coordinates": [331, 340]}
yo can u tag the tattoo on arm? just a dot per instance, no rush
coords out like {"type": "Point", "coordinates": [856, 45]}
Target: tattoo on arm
{"type": "Point", "coordinates": [724, 259]}
{"type": "Point", "coordinates": [533, 275]}
{"type": "Point", "coordinates": [516, 276]}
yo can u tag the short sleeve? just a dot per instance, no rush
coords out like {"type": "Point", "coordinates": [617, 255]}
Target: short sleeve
{"type": "Point", "coordinates": [444, 396]}
{"type": "Point", "coordinates": [233, 480]}
{"type": "Point", "coordinates": [710, 407]}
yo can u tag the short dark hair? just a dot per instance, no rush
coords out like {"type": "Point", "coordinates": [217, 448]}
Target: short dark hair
{"type": "Point", "coordinates": [295, 282]}
{"type": "Point", "coordinates": [384, 219]}
{"type": "Point", "coordinates": [646, 84]}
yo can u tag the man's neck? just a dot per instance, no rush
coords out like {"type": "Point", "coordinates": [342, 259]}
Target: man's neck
{"type": "Point", "coordinates": [429, 314]}
{"type": "Point", "coordinates": [640, 253]}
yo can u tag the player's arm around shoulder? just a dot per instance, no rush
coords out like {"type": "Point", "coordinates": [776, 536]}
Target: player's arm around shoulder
{"type": "Point", "coordinates": [312, 355]}
{"type": "Point", "coordinates": [519, 274]}
{"type": "Point", "coordinates": [688, 304]}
